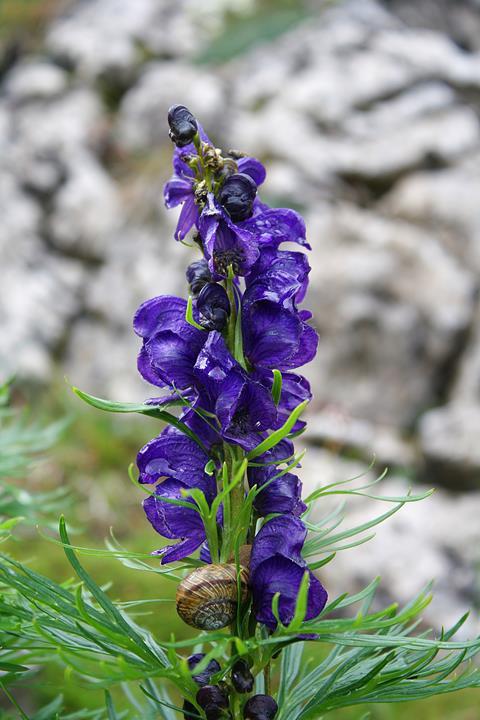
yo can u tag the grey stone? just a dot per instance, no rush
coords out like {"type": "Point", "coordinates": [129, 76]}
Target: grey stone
{"type": "Point", "coordinates": [86, 210]}
{"type": "Point", "coordinates": [447, 201]}
{"type": "Point", "coordinates": [35, 80]}
{"type": "Point", "coordinates": [386, 332]}
{"type": "Point", "coordinates": [449, 442]}
{"type": "Point", "coordinates": [40, 293]}
{"type": "Point", "coordinates": [101, 36]}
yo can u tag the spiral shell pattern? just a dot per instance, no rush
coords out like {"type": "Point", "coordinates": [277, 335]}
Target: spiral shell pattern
{"type": "Point", "coordinates": [207, 598]}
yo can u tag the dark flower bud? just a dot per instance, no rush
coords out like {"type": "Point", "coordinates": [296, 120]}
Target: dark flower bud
{"type": "Point", "coordinates": [242, 678]}
{"type": "Point", "coordinates": [260, 707]}
{"type": "Point", "coordinates": [213, 699]}
{"type": "Point", "coordinates": [183, 126]}
{"type": "Point", "coordinates": [213, 306]}
{"type": "Point", "coordinates": [190, 712]}
{"type": "Point", "coordinates": [203, 678]}
{"type": "Point", "coordinates": [237, 195]}
{"type": "Point", "coordinates": [198, 275]}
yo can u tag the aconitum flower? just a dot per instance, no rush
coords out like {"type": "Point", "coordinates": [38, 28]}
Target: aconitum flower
{"type": "Point", "coordinates": [237, 196]}
{"type": "Point", "coordinates": [277, 566]}
{"type": "Point", "coordinates": [244, 407]}
{"type": "Point", "coordinates": [170, 344]}
{"type": "Point", "coordinates": [174, 463]}
{"type": "Point", "coordinates": [225, 243]}
{"type": "Point", "coordinates": [213, 306]}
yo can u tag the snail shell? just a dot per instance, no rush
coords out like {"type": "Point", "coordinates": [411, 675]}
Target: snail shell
{"type": "Point", "coordinates": [207, 598]}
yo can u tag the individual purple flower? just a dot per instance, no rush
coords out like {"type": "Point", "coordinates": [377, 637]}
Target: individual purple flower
{"type": "Point", "coordinates": [176, 463]}
{"type": "Point", "coordinates": [183, 125]}
{"type": "Point", "coordinates": [213, 306]}
{"type": "Point", "coordinates": [198, 274]}
{"type": "Point", "coordinates": [170, 343]}
{"type": "Point", "coordinates": [237, 196]}
{"type": "Point", "coordinates": [243, 406]}
{"type": "Point", "coordinates": [202, 678]}
{"type": "Point", "coordinates": [180, 189]}
{"type": "Point", "coordinates": [274, 337]}
{"type": "Point", "coordinates": [226, 243]}
{"type": "Point", "coordinates": [277, 494]}
{"type": "Point", "coordinates": [276, 566]}
{"type": "Point", "coordinates": [273, 226]}
{"type": "Point", "coordinates": [173, 521]}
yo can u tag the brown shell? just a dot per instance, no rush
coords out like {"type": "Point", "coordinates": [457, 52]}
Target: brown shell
{"type": "Point", "coordinates": [207, 598]}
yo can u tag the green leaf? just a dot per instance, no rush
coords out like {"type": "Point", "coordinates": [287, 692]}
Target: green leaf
{"type": "Point", "coordinates": [301, 604]}
{"type": "Point", "coordinates": [142, 409]}
{"type": "Point", "coordinates": [277, 386]}
{"type": "Point", "coordinates": [279, 434]}
{"type": "Point", "coordinates": [189, 315]}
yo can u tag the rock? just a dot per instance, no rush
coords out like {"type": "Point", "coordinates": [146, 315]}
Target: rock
{"type": "Point", "coordinates": [75, 119]}
{"type": "Point", "coordinates": [416, 545]}
{"type": "Point", "coordinates": [331, 428]}
{"type": "Point", "coordinates": [447, 201]}
{"type": "Point", "coordinates": [40, 293]}
{"type": "Point", "coordinates": [35, 80]}
{"type": "Point", "coordinates": [459, 19]}
{"type": "Point", "coordinates": [389, 153]}
{"type": "Point", "coordinates": [449, 442]}
{"type": "Point", "coordinates": [100, 36]}
{"type": "Point", "coordinates": [387, 335]}
{"type": "Point", "coordinates": [143, 111]}
{"type": "Point", "coordinates": [86, 211]}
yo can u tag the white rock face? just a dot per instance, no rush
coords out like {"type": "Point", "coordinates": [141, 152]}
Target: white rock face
{"type": "Point", "coordinates": [35, 81]}
{"type": "Point", "coordinates": [380, 313]}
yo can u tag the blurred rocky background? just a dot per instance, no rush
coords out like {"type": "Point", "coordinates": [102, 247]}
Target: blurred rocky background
{"type": "Point", "coordinates": [367, 115]}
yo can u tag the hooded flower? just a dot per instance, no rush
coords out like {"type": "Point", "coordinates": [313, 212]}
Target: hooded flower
{"type": "Point", "coordinates": [175, 463]}
{"type": "Point", "coordinates": [226, 243]}
{"type": "Point", "coordinates": [243, 406]}
{"type": "Point", "coordinates": [280, 492]}
{"type": "Point", "coordinates": [275, 333]}
{"type": "Point", "coordinates": [170, 343]}
{"type": "Point", "coordinates": [276, 566]}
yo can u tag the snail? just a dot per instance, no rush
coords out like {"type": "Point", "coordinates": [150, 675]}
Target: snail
{"type": "Point", "coordinates": [207, 598]}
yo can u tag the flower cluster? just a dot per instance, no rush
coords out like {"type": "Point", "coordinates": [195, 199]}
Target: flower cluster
{"type": "Point", "coordinates": [229, 356]}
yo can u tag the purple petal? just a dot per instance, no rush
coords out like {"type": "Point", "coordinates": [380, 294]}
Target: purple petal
{"type": "Point", "coordinates": [187, 219]}
{"type": "Point", "coordinates": [284, 535]}
{"type": "Point", "coordinates": [173, 356]}
{"type": "Point", "coordinates": [172, 454]}
{"type": "Point", "coordinates": [306, 351]}
{"type": "Point", "coordinates": [165, 312]}
{"type": "Point", "coordinates": [253, 167]}
{"type": "Point", "coordinates": [245, 409]}
{"type": "Point", "coordinates": [177, 190]}
{"type": "Point", "coordinates": [277, 225]}
{"type": "Point", "coordinates": [271, 335]}
{"type": "Point", "coordinates": [282, 495]}
{"type": "Point", "coordinates": [280, 575]}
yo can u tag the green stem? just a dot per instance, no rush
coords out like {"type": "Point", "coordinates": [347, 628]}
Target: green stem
{"type": "Point", "coordinates": [267, 679]}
